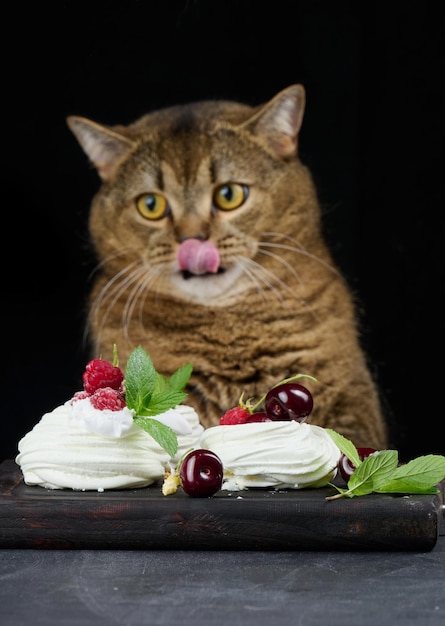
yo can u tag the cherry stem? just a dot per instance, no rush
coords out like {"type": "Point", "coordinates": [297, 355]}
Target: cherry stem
{"type": "Point", "coordinates": [115, 357]}
{"type": "Point", "coordinates": [181, 460]}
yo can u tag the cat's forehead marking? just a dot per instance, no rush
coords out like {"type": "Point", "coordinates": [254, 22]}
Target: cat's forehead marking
{"type": "Point", "coordinates": [175, 179]}
{"type": "Point", "coordinates": [188, 143]}
{"type": "Point", "coordinates": [186, 164]}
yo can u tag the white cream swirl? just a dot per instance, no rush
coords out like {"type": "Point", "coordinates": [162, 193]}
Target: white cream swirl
{"type": "Point", "coordinates": [57, 454]}
{"type": "Point", "coordinates": [187, 438]}
{"type": "Point", "coordinates": [280, 455]}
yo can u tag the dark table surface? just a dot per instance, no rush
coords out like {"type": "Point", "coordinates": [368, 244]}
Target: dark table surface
{"type": "Point", "coordinates": [131, 588]}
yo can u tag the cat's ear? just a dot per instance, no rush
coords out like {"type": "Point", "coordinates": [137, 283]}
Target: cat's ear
{"type": "Point", "coordinates": [279, 121]}
{"type": "Point", "coordinates": [103, 146]}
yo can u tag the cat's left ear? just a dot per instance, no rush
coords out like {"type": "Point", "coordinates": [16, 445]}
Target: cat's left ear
{"type": "Point", "coordinates": [279, 121]}
{"type": "Point", "coordinates": [104, 146]}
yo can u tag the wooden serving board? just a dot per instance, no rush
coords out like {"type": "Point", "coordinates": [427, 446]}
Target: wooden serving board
{"type": "Point", "coordinates": [257, 519]}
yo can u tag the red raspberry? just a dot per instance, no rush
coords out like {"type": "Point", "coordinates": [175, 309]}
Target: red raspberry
{"type": "Point", "coordinates": [107, 398]}
{"type": "Point", "coordinates": [99, 374]}
{"type": "Point", "coordinates": [237, 415]}
{"type": "Point", "coordinates": [79, 395]}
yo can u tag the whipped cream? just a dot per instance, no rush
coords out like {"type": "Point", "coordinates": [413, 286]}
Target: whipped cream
{"type": "Point", "coordinates": [79, 447]}
{"type": "Point", "coordinates": [279, 455]}
{"type": "Point", "coordinates": [188, 438]}
{"type": "Point", "coordinates": [84, 417]}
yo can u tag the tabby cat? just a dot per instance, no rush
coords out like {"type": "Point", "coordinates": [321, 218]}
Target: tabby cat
{"type": "Point", "coordinates": [207, 231]}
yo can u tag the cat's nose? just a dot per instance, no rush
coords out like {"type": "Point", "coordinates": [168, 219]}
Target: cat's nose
{"type": "Point", "coordinates": [191, 226]}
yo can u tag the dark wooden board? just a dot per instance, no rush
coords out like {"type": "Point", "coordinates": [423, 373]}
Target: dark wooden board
{"type": "Point", "coordinates": [257, 519]}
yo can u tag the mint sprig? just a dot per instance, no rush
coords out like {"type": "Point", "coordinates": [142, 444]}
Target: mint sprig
{"type": "Point", "coordinates": [381, 473]}
{"type": "Point", "coordinates": [149, 393]}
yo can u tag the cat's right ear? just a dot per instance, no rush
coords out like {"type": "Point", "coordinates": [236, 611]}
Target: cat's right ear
{"type": "Point", "coordinates": [279, 121]}
{"type": "Point", "coordinates": [103, 146]}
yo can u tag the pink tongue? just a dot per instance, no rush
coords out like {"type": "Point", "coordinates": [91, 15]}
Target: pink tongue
{"type": "Point", "coordinates": [198, 257]}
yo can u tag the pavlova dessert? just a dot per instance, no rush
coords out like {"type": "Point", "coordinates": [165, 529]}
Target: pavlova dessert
{"type": "Point", "coordinates": [274, 448]}
{"type": "Point", "coordinates": [273, 455]}
{"type": "Point", "coordinates": [117, 433]}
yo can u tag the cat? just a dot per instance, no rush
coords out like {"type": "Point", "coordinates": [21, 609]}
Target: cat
{"type": "Point", "coordinates": [208, 235]}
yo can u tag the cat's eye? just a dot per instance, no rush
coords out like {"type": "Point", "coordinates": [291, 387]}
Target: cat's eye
{"type": "Point", "coordinates": [153, 206]}
{"type": "Point", "coordinates": [230, 196]}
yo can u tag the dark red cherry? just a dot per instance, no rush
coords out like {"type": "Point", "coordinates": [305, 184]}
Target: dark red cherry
{"type": "Point", "coordinates": [289, 401]}
{"type": "Point", "coordinates": [345, 466]}
{"type": "Point", "coordinates": [258, 417]}
{"type": "Point", "coordinates": [201, 473]}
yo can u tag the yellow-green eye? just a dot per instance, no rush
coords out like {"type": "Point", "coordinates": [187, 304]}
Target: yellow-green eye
{"type": "Point", "coordinates": [152, 206]}
{"type": "Point", "coordinates": [230, 196]}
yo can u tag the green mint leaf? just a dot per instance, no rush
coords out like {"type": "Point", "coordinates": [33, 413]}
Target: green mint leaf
{"type": "Point", "coordinates": [380, 472]}
{"type": "Point", "coordinates": [421, 475]}
{"type": "Point", "coordinates": [140, 379]}
{"type": "Point", "coordinates": [406, 486]}
{"type": "Point", "coordinates": [161, 433]}
{"type": "Point", "coordinates": [180, 378]}
{"type": "Point", "coordinates": [346, 446]}
{"type": "Point", "coordinates": [163, 401]}
{"type": "Point", "coordinates": [162, 384]}
{"type": "Point", "coordinates": [177, 381]}
{"type": "Point", "coordinates": [373, 472]}
{"type": "Point", "coordinates": [427, 470]}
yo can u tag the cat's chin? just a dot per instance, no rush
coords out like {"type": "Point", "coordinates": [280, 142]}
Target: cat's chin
{"type": "Point", "coordinates": [218, 289]}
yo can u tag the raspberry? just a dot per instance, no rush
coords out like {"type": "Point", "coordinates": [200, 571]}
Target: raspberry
{"type": "Point", "coordinates": [237, 415]}
{"type": "Point", "coordinates": [99, 374]}
{"type": "Point", "coordinates": [79, 395]}
{"type": "Point", "coordinates": [107, 398]}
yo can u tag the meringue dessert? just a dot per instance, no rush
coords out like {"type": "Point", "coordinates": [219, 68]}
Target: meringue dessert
{"type": "Point", "coordinates": [117, 433]}
{"type": "Point", "coordinates": [74, 448]}
{"type": "Point", "coordinates": [275, 454]}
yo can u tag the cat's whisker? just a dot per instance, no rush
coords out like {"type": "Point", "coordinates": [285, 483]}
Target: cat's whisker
{"type": "Point", "coordinates": [132, 299]}
{"type": "Point", "coordinates": [259, 273]}
{"type": "Point", "coordinates": [286, 264]}
{"type": "Point", "coordinates": [138, 279]}
{"type": "Point", "coordinates": [148, 287]}
{"type": "Point", "coordinates": [95, 306]}
{"type": "Point", "coordinates": [117, 278]}
{"type": "Point", "coordinates": [138, 294]}
{"type": "Point", "coordinates": [102, 297]}
{"type": "Point", "coordinates": [298, 248]}
{"type": "Point", "coordinates": [109, 288]}
{"type": "Point", "coordinates": [102, 263]}
{"type": "Point", "coordinates": [112, 291]}
{"type": "Point", "coordinates": [254, 275]}
{"type": "Point", "coordinates": [278, 281]}
{"type": "Point", "coordinates": [292, 292]}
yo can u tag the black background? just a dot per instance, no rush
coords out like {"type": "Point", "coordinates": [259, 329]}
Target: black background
{"type": "Point", "coordinates": [373, 135]}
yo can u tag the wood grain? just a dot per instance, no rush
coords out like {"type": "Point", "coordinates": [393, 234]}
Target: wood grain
{"type": "Point", "coordinates": [33, 517]}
